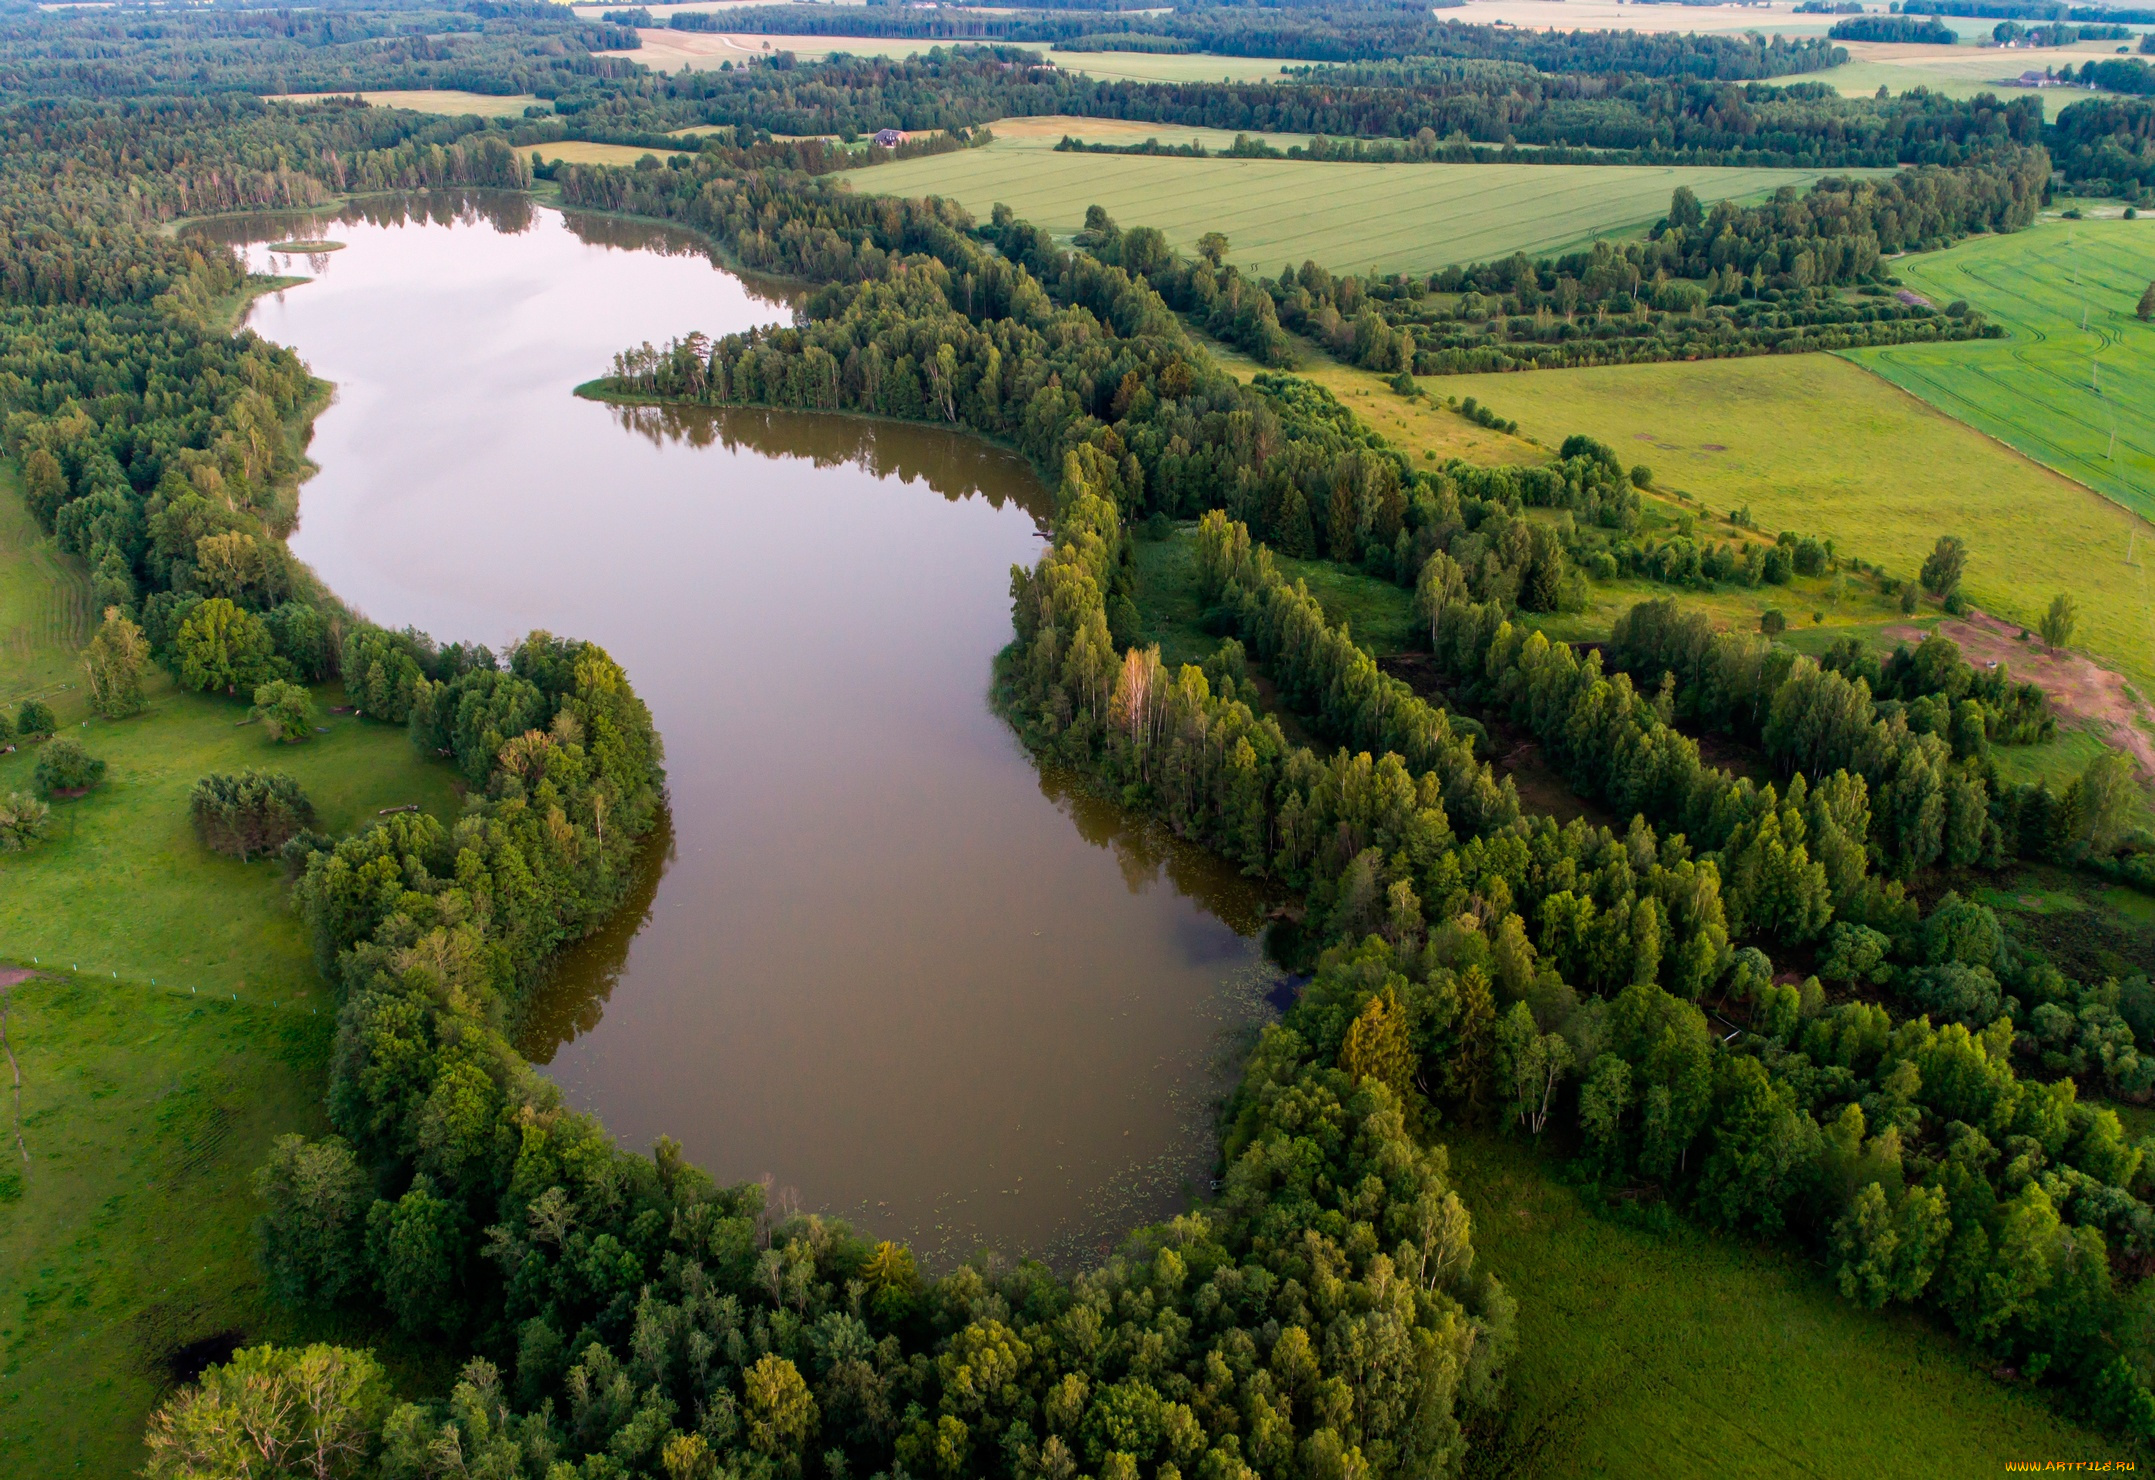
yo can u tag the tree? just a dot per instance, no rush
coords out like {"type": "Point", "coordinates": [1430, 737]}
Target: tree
{"type": "Point", "coordinates": [1530, 1063]}
{"type": "Point", "coordinates": [1602, 1102]}
{"type": "Point", "coordinates": [34, 719]}
{"type": "Point", "coordinates": [114, 662]}
{"type": "Point", "coordinates": [1772, 622]}
{"type": "Point", "coordinates": [65, 767]}
{"type": "Point", "coordinates": [2147, 303]}
{"type": "Point", "coordinates": [415, 1246]}
{"type": "Point", "coordinates": [1888, 1245]}
{"type": "Point", "coordinates": [1943, 568]}
{"type": "Point", "coordinates": [45, 482]}
{"type": "Point", "coordinates": [781, 1410]}
{"type": "Point", "coordinates": [220, 646]}
{"type": "Point", "coordinates": [249, 814]}
{"type": "Point", "coordinates": [2103, 799]}
{"type": "Point", "coordinates": [1685, 212]}
{"type": "Point", "coordinates": [286, 710]}
{"type": "Point", "coordinates": [1212, 246]}
{"type": "Point", "coordinates": [268, 1412]}
{"type": "Point", "coordinates": [2059, 621]}
{"type": "Point", "coordinates": [24, 822]}
{"type": "Point", "coordinates": [311, 1234]}
{"type": "Point", "coordinates": [1377, 1046]}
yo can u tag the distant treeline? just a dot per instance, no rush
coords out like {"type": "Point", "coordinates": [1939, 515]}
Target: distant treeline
{"type": "Point", "coordinates": [1423, 104]}
{"type": "Point", "coordinates": [485, 46]}
{"type": "Point", "coordinates": [1892, 28]}
{"type": "Point", "coordinates": [1314, 33]}
{"type": "Point", "coordinates": [2027, 10]}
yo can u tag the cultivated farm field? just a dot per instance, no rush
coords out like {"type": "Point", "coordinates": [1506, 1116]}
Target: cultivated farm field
{"type": "Point", "coordinates": [1348, 217]}
{"type": "Point", "coordinates": [2078, 367]}
{"type": "Point", "coordinates": [1817, 444]}
{"type": "Point", "coordinates": [440, 100]}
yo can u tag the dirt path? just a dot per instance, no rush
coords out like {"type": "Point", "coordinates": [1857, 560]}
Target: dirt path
{"type": "Point", "coordinates": [2079, 688]}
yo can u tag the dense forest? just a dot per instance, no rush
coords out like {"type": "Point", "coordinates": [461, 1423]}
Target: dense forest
{"type": "Point", "coordinates": [1904, 1105]}
{"type": "Point", "coordinates": [640, 1320]}
{"type": "Point", "coordinates": [487, 46]}
{"type": "Point", "coordinates": [1510, 953]}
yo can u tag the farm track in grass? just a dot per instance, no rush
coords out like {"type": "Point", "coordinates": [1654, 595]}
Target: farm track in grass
{"type": "Point", "coordinates": [1403, 217]}
{"type": "Point", "coordinates": [2053, 389]}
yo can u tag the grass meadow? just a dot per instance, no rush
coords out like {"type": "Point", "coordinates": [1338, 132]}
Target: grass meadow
{"type": "Point", "coordinates": [2073, 384]}
{"type": "Point", "coordinates": [1403, 217]}
{"type": "Point", "coordinates": [184, 1029]}
{"type": "Point", "coordinates": [1818, 444]}
{"type": "Point", "coordinates": [1676, 1353]}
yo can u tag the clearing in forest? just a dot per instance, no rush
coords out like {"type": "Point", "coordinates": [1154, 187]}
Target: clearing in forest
{"type": "Point", "coordinates": [2073, 384]}
{"type": "Point", "coordinates": [1348, 217]}
{"type": "Point", "coordinates": [438, 100]}
{"type": "Point", "coordinates": [1816, 444]}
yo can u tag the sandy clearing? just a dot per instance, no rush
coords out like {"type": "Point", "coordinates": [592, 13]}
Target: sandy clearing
{"type": "Point", "coordinates": [2078, 687]}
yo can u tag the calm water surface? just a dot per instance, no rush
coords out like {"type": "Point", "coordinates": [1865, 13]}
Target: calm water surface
{"type": "Point", "coordinates": [878, 957]}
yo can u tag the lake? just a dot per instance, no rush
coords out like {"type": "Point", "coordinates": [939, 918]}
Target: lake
{"type": "Point", "coordinates": [878, 956]}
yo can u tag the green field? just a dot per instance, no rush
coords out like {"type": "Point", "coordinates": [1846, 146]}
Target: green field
{"type": "Point", "coordinates": [1395, 217]}
{"type": "Point", "coordinates": [2078, 368]}
{"type": "Point", "coordinates": [146, 1107]}
{"type": "Point", "coordinates": [129, 1233]}
{"type": "Point", "coordinates": [1678, 1354]}
{"type": "Point", "coordinates": [1817, 444]}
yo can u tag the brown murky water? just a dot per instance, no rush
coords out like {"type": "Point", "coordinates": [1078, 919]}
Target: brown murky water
{"type": "Point", "coordinates": [878, 956]}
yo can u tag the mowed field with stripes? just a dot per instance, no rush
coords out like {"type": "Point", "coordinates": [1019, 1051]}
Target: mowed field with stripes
{"type": "Point", "coordinates": [2073, 383]}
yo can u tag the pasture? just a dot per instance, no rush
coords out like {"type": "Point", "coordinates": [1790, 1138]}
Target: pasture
{"type": "Point", "coordinates": [1817, 444]}
{"type": "Point", "coordinates": [186, 1029]}
{"type": "Point", "coordinates": [445, 101]}
{"type": "Point", "coordinates": [1672, 1353]}
{"type": "Point", "coordinates": [1349, 217]}
{"type": "Point", "coordinates": [2074, 385]}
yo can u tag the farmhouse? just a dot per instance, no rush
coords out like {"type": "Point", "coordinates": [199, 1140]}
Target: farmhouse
{"type": "Point", "coordinates": [889, 138]}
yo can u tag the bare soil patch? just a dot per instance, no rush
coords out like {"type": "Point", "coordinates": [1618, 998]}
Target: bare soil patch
{"type": "Point", "coordinates": [2079, 688]}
